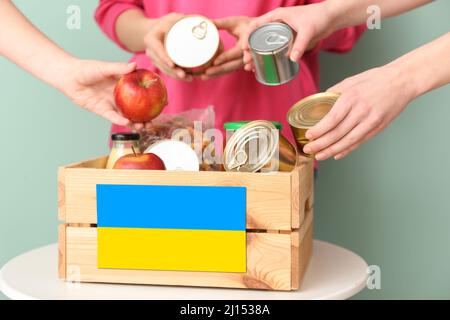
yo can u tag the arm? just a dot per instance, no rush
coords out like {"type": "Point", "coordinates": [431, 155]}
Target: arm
{"type": "Point", "coordinates": [125, 22]}
{"type": "Point", "coordinates": [353, 12]}
{"type": "Point", "coordinates": [34, 49]}
{"type": "Point", "coordinates": [370, 101]}
{"type": "Point", "coordinates": [317, 21]}
{"type": "Point", "coordinates": [87, 83]}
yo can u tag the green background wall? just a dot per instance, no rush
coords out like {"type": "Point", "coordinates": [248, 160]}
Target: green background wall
{"type": "Point", "coordinates": [389, 201]}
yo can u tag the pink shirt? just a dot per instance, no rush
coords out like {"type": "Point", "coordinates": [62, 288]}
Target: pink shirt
{"type": "Point", "coordinates": [235, 96]}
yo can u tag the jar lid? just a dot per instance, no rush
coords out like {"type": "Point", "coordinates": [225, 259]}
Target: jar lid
{"type": "Point", "coordinates": [235, 125]}
{"type": "Point", "coordinates": [176, 155]}
{"type": "Point", "coordinates": [192, 41]}
{"type": "Point", "coordinates": [125, 136]}
{"type": "Point", "coordinates": [309, 111]}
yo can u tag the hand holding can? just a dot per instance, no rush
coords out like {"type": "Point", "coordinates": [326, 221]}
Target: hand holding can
{"type": "Point", "coordinates": [192, 43]}
{"type": "Point", "coordinates": [311, 23]}
{"type": "Point", "coordinates": [154, 41]}
{"type": "Point", "coordinates": [231, 59]}
{"type": "Point", "coordinates": [269, 46]}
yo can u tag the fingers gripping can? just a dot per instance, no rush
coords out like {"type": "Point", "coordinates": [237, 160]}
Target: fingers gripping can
{"type": "Point", "coordinates": [269, 46]}
{"type": "Point", "coordinates": [306, 113]}
{"type": "Point", "coordinates": [259, 146]}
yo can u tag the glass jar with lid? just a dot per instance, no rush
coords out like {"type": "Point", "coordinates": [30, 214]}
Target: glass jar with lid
{"type": "Point", "coordinates": [122, 144]}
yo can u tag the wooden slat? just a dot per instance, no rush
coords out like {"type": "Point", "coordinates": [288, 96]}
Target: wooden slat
{"type": "Point", "coordinates": [302, 181]}
{"type": "Point", "coordinates": [96, 163]}
{"type": "Point", "coordinates": [301, 250]}
{"type": "Point", "coordinates": [268, 195]}
{"type": "Point", "coordinates": [62, 252]}
{"type": "Point", "coordinates": [305, 254]}
{"type": "Point", "coordinates": [268, 265]}
{"type": "Point", "coordinates": [306, 183]}
{"type": "Point", "coordinates": [61, 195]}
{"type": "Point", "coordinates": [296, 207]}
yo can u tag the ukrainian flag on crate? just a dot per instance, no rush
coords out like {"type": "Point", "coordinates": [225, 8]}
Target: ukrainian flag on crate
{"type": "Point", "coordinates": [179, 228]}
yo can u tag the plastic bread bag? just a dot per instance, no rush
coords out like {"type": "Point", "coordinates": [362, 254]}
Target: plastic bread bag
{"type": "Point", "coordinates": [191, 127]}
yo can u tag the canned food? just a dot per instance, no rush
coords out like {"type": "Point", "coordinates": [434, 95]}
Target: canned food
{"type": "Point", "coordinates": [269, 46]}
{"type": "Point", "coordinates": [306, 113]}
{"type": "Point", "coordinates": [231, 127]}
{"type": "Point", "coordinates": [259, 146]}
{"type": "Point", "coordinates": [192, 43]}
{"type": "Point", "coordinates": [176, 155]}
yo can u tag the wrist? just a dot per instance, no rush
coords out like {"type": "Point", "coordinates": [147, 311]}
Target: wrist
{"type": "Point", "coordinates": [66, 68]}
{"type": "Point", "coordinates": [60, 69]}
{"type": "Point", "coordinates": [405, 79]}
{"type": "Point", "coordinates": [335, 13]}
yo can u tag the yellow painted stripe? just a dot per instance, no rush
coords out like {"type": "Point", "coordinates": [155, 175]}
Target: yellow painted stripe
{"type": "Point", "coordinates": [172, 249]}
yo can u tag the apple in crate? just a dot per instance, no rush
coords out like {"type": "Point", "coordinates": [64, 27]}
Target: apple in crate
{"type": "Point", "coordinates": [141, 95]}
{"type": "Point", "coordinates": [140, 161]}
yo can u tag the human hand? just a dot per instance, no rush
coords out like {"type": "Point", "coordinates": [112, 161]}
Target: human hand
{"type": "Point", "coordinates": [90, 84]}
{"type": "Point", "coordinates": [311, 23]}
{"type": "Point", "coordinates": [154, 41]}
{"type": "Point", "coordinates": [230, 60]}
{"type": "Point", "coordinates": [369, 102]}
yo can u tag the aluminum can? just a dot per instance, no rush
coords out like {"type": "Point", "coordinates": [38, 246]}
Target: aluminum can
{"type": "Point", "coordinates": [269, 46]}
{"type": "Point", "coordinates": [306, 113]}
{"type": "Point", "coordinates": [258, 146]}
{"type": "Point", "coordinates": [192, 43]}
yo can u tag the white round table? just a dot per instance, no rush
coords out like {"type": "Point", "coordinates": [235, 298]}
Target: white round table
{"type": "Point", "coordinates": [333, 273]}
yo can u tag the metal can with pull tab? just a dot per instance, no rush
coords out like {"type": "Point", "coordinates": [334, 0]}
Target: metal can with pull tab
{"type": "Point", "coordinates": [306, 113]}
{"type": "Point", "coordinates": [192, 43]}
{"type": "Point", "coordinates": [258, 146]}
{"type": "Point", "coordinates": [269, 46]}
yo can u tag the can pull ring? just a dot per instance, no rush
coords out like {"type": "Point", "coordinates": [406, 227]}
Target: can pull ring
{"type": "Point", "coordinates": [199, 31]}
{"type": "Point", "coordinates": [274, 38]}
{"type": "Point", "coordinates": [239, 159]}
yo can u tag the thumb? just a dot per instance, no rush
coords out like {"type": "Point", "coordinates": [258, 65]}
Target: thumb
{"type": "Point", "coordinates": [300, 44]}
{"type": "Point", "coordinates": [115, 117]}
{"type": "Point", "coordinates": [227, 23]}
{"type": "Point", "coordinates": [111, 69]}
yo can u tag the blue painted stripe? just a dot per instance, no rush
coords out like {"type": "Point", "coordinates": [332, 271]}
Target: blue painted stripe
{"type": "Point", "coordinates": [171, 207]}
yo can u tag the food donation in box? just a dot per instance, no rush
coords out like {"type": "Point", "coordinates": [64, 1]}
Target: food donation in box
{"type": "Point", "coordinates": [178, 204]}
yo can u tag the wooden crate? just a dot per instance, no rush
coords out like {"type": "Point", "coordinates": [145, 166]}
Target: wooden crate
{"type": "Point", "coordinates": [279, 224]}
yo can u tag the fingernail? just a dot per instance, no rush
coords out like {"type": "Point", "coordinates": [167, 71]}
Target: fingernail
{"type": "Point", "coordinates": [320, 156]}
{"type": "Point", "coordinates": [308, 136]}
{"type": "Point", "coordinates": [217, 62]}
{"type": "Point", "coordinates": [180, 74]}
{"type": "Point", "coordinates": [294, 56]}
{"type": "Point", "coordinates": [307, 150]}
{"type": "Point", "coordinates": [338, 157]}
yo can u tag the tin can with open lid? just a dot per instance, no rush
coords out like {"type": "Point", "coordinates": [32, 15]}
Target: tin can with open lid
{"type": "Point", "coordinates": [306, 113]}
{"type": "Point", "coordinates": [258, 146]}
{"type": "Point", "coordinates": [192, 43]}
{"type": "Point", "coordinates": [232, 126]}
{"type": "Point", "coordinates": [269, 46]}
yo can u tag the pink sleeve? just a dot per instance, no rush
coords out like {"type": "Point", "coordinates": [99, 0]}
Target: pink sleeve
{"type": "Point", "coordinates": [107, 13]}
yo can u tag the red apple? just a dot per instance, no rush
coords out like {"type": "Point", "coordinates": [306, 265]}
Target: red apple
{"type": "Point", "coordinates": [140, 161]}
{"type": "Point", "coordinates": [141, 95]}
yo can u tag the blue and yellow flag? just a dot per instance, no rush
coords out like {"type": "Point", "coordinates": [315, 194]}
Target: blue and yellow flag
{"type": "Point", "coordinates": [179, 228]}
